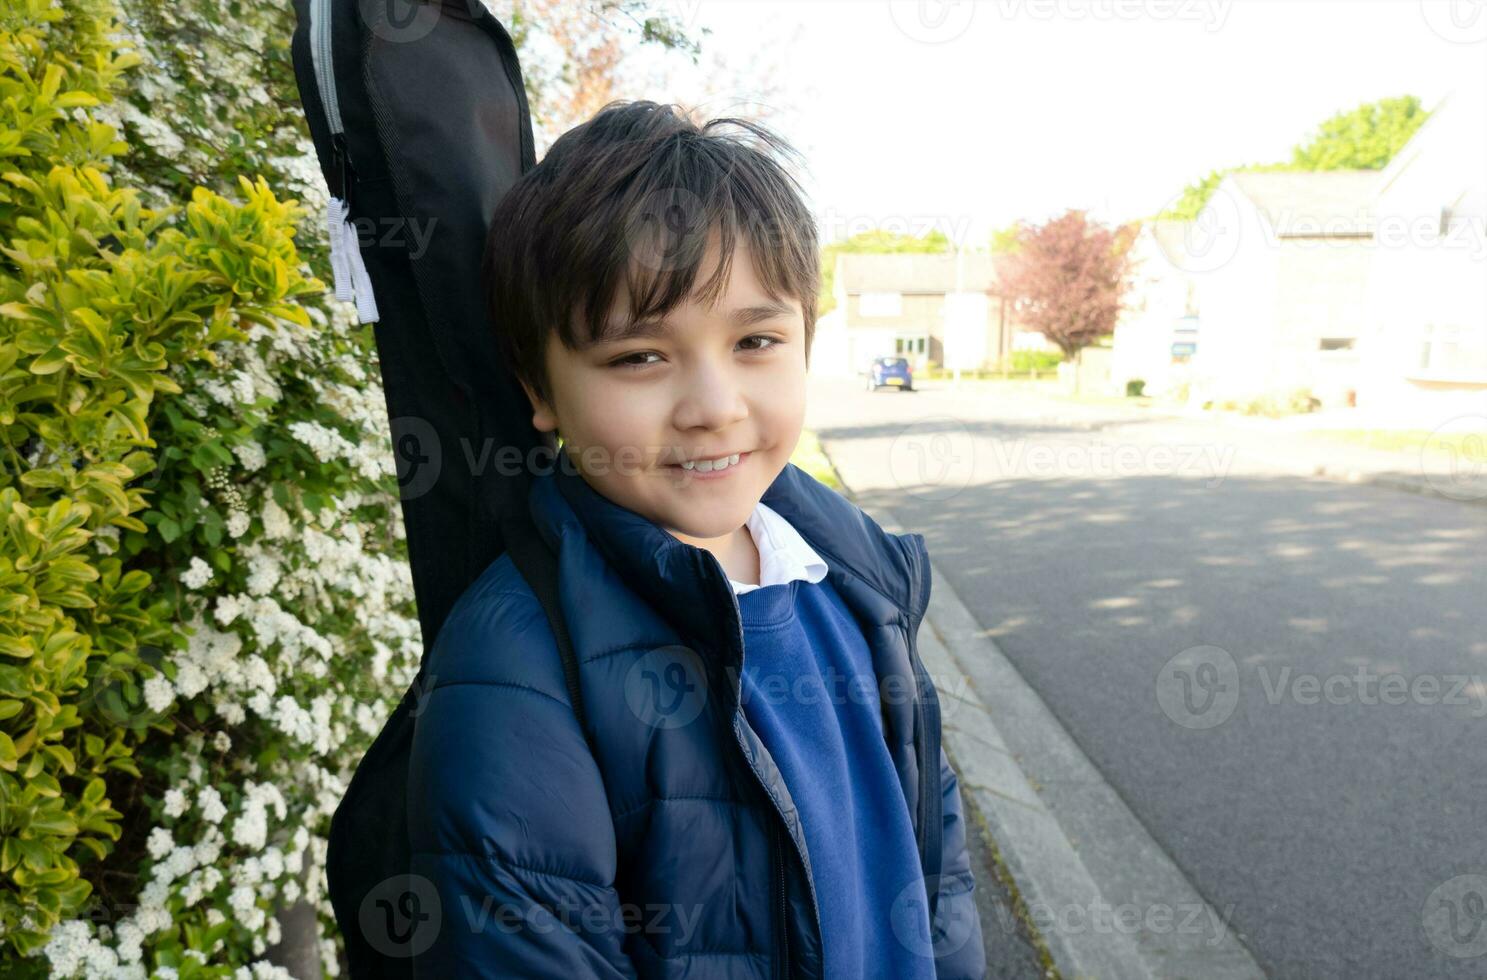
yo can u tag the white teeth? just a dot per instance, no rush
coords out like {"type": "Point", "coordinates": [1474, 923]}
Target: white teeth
{"type": "Point", "coordinates": [709, 465]}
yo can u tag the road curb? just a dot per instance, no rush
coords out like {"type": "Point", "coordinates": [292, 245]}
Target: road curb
{"type": "Point", "coordinates": [1081, 860]}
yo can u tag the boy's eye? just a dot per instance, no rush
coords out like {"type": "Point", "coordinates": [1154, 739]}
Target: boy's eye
{"type": "Point", "coordinates": [773, 341]}
{"type": "Point", "coordinates": [629, 360]}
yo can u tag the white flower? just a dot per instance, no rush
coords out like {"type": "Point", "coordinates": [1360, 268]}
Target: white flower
{"type": "Point", "coordinates": [159, 693]}
{"type": "Point", "coordinates": [210, 802]}
{"type": "Point", "coordinates": [275, 521]}
{"type": "Point", "coordinates": [238, 522]}
{"type": "Point", "coordinates": [251, 455]}
{"type": "Point", "coordinates": [199, 574]}
{"type": "Point", "coordinates": [251, 827]}
{"type": "Point", "coordinates": [227, 609]}
{"type": "Point", "coordinates": [176, 803]}
{"type": "Point", "coordinates": [160, 842]}
{"type": "Point", "coordinates": [207, 851]}
{"type": "Point", "coordinates": [181, 861]}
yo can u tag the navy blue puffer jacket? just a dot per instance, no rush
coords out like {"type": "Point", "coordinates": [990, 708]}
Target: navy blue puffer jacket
{"type": "Point", "coordinates": [665, 843]}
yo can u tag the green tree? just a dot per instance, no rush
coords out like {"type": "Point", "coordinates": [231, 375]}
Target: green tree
{"type": "Point", "coordinates": [1365, 138]}
{"type": "Point", "coordinates": [1006, 241]}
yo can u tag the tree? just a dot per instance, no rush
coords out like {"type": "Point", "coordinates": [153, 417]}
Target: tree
{"type": "Point", "coordinates": [573, 56]}
{"type": "Point", "coordinates": [1005, 241]}
{"type": "Point", "coordinates": [1067, 278]}
{"type": "Point", "coordinates": [1365, 138]}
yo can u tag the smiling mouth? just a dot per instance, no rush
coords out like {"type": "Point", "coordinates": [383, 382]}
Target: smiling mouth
{"type": "Point", "coordinates": [710, 467]}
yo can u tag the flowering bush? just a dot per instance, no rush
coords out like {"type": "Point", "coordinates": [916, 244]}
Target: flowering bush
{"type": "Point", "coordinates": [206, 611]}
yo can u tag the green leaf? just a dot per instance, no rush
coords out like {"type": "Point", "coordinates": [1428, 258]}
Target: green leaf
{"type": "Point", "coordinates": [51, 362]}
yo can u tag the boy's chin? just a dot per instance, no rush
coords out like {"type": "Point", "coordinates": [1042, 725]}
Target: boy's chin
{"type": "Point", "coordinates": [705, 523]}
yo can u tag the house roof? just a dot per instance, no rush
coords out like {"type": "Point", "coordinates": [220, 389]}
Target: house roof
{"type": "Point", "coordinates": [1311, 204]}
{"type": "Point", "coordinates": [1451, 148]}
{"type": "Point", "coordinates": [914, 272]}
{"type": "Point", "coordinates": [1170, 238]}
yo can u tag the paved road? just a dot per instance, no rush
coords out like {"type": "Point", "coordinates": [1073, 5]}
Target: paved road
{"type": "Point", "coordinates": [1285, 678]}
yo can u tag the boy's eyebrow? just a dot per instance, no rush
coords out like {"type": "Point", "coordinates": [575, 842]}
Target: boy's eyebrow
{"type": "Point", "coordinates": [743, 316]}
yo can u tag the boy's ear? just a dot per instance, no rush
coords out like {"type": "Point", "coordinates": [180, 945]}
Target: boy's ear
{"type": "Point", "coordinates": [544, 419]}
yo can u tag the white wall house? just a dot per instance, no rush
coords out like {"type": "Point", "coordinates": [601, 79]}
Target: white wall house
{"type": "Point", "coordinates": [932, 308]}
{"type": "Point", "coordinates": [1281, 261]}
{"type": "Point", "coordinates": [1424, 354]}
{"type": "Point", "coordinates": [1156, 336]}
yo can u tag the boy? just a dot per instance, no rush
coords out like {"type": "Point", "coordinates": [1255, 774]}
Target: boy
{"type": "Point", "coordinates": [788, 813]}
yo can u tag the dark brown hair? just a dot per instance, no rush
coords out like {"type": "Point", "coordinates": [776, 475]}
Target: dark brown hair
{"type": "Point", "coordinates": [630, 198]}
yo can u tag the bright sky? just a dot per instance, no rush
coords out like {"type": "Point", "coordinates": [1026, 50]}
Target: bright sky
{"type": "Point", "coordinates": [965, 116]}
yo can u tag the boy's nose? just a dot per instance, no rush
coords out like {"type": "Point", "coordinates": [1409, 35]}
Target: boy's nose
{"type": "Point", "coordinates": [712, 399]}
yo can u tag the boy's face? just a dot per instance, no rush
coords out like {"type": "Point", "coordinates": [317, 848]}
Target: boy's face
{"type": "Point", "coordinates": [709, 382]}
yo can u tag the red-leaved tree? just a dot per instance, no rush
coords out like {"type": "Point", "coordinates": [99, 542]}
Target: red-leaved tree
{"type": "Point", "coordinates": [1067, 278]}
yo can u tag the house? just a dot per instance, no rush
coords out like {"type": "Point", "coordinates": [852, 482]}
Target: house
{"type": "Point", "coordinates": [939, 309]}
{"type": "Point", "coordinates": [1156, 336]}
{"type": "Point", "coordinates": [1281, 264]}
{"type": "Point", "coordinates": [1424, 353]}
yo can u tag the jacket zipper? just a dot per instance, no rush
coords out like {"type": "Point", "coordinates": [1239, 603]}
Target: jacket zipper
{"type": "Point", "coordinates": [929, 768]}
{"type": "Point", "coordinates": [782, 923]}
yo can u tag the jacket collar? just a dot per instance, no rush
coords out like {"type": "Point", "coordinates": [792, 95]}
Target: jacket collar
{"type": "Point", "coordinates": [682, 579]}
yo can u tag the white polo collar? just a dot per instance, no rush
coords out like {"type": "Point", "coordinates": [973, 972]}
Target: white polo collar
{"type": "Point", "coordinates": [783, 554]}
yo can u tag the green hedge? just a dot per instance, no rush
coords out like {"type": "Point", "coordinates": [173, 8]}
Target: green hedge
{"type": "Point", "coordinates": [205, 610]}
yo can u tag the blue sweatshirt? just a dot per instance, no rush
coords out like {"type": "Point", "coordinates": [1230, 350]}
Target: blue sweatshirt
{"type": "Point", "coordinates": [809, 690]}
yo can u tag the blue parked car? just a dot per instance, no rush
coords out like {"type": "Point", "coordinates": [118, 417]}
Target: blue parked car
{"type": "Point", "coordinates": [890, 372]}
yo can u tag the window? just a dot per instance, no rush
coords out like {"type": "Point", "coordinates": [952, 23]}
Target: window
{"type": "Point", "coordinates": [1451, 349]}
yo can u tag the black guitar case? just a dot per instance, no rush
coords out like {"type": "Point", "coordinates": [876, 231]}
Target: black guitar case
{"type": "Point", "coordinates": [420, 123]}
